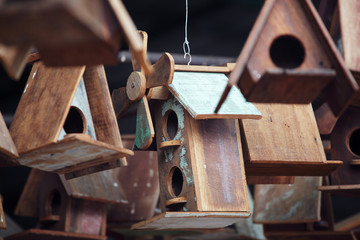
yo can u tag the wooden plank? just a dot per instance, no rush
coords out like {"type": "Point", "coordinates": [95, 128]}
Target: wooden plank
{"type": "Point", "coordinates": [313, 235]}
{"type": "Point", "coordinates": [285, 142]}
{"type": "Point", "coordinates": [288, 203]}
{"type": "Point", "coordinates": [72, 153]}
{"type": "Point", "coordinates": [44, 105]}
{"type": "Point", "coordinates": [199, 92]}
{"type": "Point", "coordinates": [190, 220]}
{"type": "Point", "coordinates": [350, 32]}
{"type": "Point", "coordinates": [102, 110]}
{"type": "Point", "coordinates": [216, 149]}
{"type": "Point", "coordinates": [139, 182]}
{"type": "Point", "coordinates": [195, 68]}
{"type": "Point", "coordinates": [346, 190]}
{"type": "Point", "coordinates": [349, 223]}
{"type": "Point", "coordinates": [325, 119]}
{"type": "Point", "coordinates": [40, 234]}
{"type": "Point", "coordinates": [8, 149]}
{"type": "Point", "coordinates": [14, 59]}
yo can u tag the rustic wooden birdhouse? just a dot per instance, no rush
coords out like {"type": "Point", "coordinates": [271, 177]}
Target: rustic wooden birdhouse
{"type": "Point", "coordinates": [285, 142]}
{"type": "Point", "coordinates": [8, 151]}
{"type": "Point", "coordinates": [65, 122]}
{"type": "Point", "coordinates": [69, 33]}
{"type": "Point", "coordinates": [68, 209]}
{"type": "Point", "coordinates": [345, 145]}
{"type": "Point", "coordinates": [202, 178]}
{"type": "Point", "coordinates": [289, 57]}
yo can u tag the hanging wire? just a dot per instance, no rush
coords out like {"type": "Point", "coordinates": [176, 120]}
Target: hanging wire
{"type": "Point", "coordinates": [186, 45]}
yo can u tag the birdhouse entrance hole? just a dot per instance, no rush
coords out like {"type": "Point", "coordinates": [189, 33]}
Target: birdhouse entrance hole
{"type": "Point", "coordinates": [287, 52]}
{"type": "Point", "coordinates": [75, 121]}
{"type": "Point", "coordinates": [171, 125]}
{"type": "Point", "coordinates": [53, 204]}
{"type": "Point", "coordinates": [354, 142]}
{"type": "Point", "coordinates": [175, 181]}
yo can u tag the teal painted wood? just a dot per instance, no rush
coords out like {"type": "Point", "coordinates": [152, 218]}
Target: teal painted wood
{"type": "Point", "coordinates": [199, 93]}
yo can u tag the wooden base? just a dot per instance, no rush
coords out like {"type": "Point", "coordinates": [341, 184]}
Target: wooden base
{"type": "Point", "coordinates": [290, 168]}
{"type": "Point", "coordinates": [39, 234]}
{"type": "Point", "coordinates": [190, 220]}
{"type": "Point", "coordinates": [318, 235]}
{"type": "Point", "coordinates": [73, 153]}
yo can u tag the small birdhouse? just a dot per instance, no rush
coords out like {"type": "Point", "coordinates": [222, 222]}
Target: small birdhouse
{"type": "Point", "coordinates": [289, 57]}
{"type": "Point", "coordinates": [67, 209]}
{"type": "Point", "coordinates": [65, 122]}
{"type": "Point", "coordinates": [8, 151]}
{"type": "Point", "coordinates": [69, 33]}
{"type": "Point", "coordinates": [201, 171]}
{"type": "Point", "coordinates": [285, 142]}
{"type": "Point", "coordinates": [345, 145]}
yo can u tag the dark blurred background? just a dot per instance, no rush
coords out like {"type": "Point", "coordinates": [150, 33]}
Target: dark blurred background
{"type": "Point", "coordinates": [216, 28]}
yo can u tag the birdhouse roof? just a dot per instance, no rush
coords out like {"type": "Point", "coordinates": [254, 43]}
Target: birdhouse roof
{"type": "Point", "coordinates": [199, 89]}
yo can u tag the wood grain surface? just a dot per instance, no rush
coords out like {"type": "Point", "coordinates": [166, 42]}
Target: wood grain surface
{"type": "Point", "coordinates": [44, 105]}
{"type": "Point", "coordinates": [285, 141]}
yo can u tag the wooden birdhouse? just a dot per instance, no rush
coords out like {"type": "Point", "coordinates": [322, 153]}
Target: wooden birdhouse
{"type": "Point", "coordinates": [65, 122]}
{"type": "Point", "coordinates": [285, 142]}
{"type": "Point", "coordinates": [8, 151]}
{"type": "Point", "coordinates": [202, 178]}
{"type": "Point", "coordinates": [69, 33]}
{"type": "Point", "coordinates": [289, 57]}
{"type": "Point", "coordinates": [68, 209]}
{"type": "Point", "coordinates": [345, 145]}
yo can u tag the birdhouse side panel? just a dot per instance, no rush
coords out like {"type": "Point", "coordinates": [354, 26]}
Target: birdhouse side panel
{"type": "Point", "coordinates": [217, 163]}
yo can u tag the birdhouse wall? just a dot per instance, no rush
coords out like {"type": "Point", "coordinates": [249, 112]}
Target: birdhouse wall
{"type": "Point", "coordinates": [345, 145]}
{"type": "Point", "coordinates": [53, 204]}
{"type": "Point", "coordinates": [206, 169]}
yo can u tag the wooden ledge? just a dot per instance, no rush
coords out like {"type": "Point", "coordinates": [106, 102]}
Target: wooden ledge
{"type": "Point", "coordinates": [169, 144]}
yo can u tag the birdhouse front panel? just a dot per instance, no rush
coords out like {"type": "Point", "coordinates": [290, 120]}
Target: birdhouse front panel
{"type": "Point", "coordinates": [8, 150]}
{"type": "Point", "coordinates": [204, 172]}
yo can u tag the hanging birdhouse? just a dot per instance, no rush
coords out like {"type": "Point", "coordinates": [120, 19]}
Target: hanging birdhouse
{"type": "Point", "coordinates": [69, 33]}
{"type": "Point", "coordinates": [289, 57]}
{"type": "Point", "coordinates": [197, 156]}
{"type": "Point", "coordinates": [8, 151]}
{"type": "Point", "coordinates": [285, 142]}
{"type": "Point", "coordinates": [62, 213]}
{"type": "Point", "coordinates": [65, 122]}
{"type": "Point", "coordinates": [345, 145]}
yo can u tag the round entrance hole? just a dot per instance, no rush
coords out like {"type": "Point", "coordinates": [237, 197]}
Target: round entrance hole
{"type": "Point", "coordinates": [175, 181]}
{"type": "Point", "coordinates": [287, 52]}
{"type": "Point", "coordinates": [171, 125]}
{"type": "Point", "coordinates": [354, 142]}
{"type": "Point", "coordinates": [54, 203]}
{"type": "Point", "coordinates": [75, 121]}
